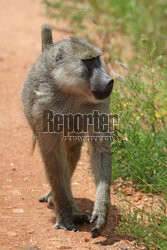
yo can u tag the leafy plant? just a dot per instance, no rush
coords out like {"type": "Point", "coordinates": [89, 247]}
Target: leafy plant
{"type": "Point", "coordinates": [145, 228]}
{"type": "Point", "coordinates": [143, 100]}
{"type": "Point", "coordinates": [142, 159]}
{"type": "Point", "coordinates": [149, 229]}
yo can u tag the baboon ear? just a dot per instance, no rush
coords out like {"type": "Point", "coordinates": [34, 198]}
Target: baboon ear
{"type": "Point", "coordinates": [46, 36]}
{"type": "Point", "coordinates": [59, 56]}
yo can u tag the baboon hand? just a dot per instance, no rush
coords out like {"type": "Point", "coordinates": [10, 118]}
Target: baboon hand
{"type": "Point", "coordinates": [100, 219]}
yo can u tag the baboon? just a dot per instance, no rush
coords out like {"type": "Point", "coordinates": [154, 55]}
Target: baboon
{"type": "Point", "coordinates": [69, 77]}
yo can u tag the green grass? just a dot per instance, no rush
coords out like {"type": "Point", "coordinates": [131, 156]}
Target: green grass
{"type": "Point", "coordinates": [142, 159]}
{"type": "Point", "coordinates": [147, 229]}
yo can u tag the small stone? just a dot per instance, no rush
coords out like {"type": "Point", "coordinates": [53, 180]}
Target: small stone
{"type": "Point", "coordinates": [31, 232]}
{"type": "Point", "coordinates": [86, 239]}
{"type": "Point", "coordinates": [52, 239]}
{"type": "Point", "coordinates": [45, 185]}
{"type": "Point", "coordinates": [18, 211]}
{"type": "Point", "coordinates": [12, 164]}
{"type": "Point", "coordinates": [11, 234]}
{"type": "Point", "coordinates": [8, 180]}
{"type": "Point", "coordinates": [16, 191]}
{"type": "Point", "coordinates": [75, 183]}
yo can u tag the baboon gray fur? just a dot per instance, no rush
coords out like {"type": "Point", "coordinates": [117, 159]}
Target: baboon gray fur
{"type": "Point", "coordinates": [60, 81]}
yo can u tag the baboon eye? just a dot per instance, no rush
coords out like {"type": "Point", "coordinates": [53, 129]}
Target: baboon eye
{"type": "Point", "coordinates": [91, 63]}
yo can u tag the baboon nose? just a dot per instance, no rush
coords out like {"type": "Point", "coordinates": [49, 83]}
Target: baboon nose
{"type": "Point", "coordinates": [110, 84]}
{"type": "Point", "coordinates": [107, 89]}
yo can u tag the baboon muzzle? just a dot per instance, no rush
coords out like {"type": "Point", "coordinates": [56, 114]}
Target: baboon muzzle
{"type": "Point", "coordinates": [103, 90]}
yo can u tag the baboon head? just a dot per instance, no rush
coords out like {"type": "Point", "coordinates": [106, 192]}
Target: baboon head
{"type": "Point", "coordinates": [76, 67]}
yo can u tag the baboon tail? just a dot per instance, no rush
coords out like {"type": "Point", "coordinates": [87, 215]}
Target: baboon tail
{"type": "Point", "coordinates": [34, 140]}
{"type": "Point", "coordinates": [46, 36]}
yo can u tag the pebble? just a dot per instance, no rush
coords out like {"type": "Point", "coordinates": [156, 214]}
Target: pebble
{"type": "Point", "coordinates": [16, 191]}
{"type": "Point", "coordinates": [8, 180]}
{"type": "Point", "coordinates": [18, 211]}
{"type": "Point", "coordinates": [11, 234]}
{"type": "Point", "coordinates": [75, 183]}
{"type": "Point", "coordinates": [31, 232]}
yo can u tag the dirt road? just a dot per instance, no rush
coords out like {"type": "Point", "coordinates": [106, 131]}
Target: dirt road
{"type": "Point", "coordinates": [24, 222]}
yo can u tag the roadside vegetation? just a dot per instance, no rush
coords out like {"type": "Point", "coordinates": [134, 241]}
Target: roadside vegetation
{"type": "Point", "coordinates": [133, 38]}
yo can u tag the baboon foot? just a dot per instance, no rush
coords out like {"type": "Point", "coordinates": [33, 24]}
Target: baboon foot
{"type": "Point", "coordinates": [66, 224]}
{"type": "Point", "coordinates": [47, 198]}
{"type": "Point", "coordinates": [100, 219]}
{"type": "Point", "coordinates": [80, 218]}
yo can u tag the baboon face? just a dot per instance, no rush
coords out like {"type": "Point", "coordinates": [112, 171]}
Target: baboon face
{"type": "Point", "coordinates": [79, 70]}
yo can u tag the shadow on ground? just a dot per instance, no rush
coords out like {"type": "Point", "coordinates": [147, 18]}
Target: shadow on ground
{"type": "Point", "coordinates": [114, 217]}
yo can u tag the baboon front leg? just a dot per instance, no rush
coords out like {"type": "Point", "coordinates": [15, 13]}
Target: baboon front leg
{"type": "Point", "coordinates": [55, 159]}
{"type": "Point", "coordinates": [101, 166]}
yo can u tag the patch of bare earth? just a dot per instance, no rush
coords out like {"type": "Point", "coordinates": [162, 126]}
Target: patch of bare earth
{"type": "Point", "coordinates": [24, 222]}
